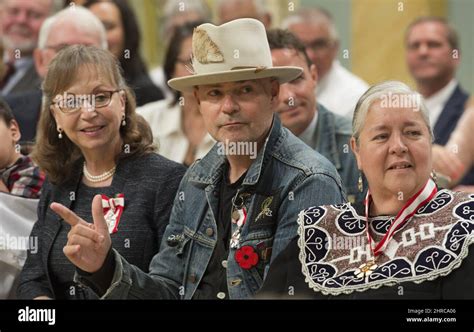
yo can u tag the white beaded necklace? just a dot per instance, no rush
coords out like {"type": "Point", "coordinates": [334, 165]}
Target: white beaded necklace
{"type": "Point", "coordinates": [98, 178]}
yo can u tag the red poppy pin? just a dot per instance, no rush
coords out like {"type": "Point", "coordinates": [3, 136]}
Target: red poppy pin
{"type": "Point", "coordinates": [246, 257]}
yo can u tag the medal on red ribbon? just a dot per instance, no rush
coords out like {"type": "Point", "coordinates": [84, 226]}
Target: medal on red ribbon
{"type": "Point", "coordinates": [414, 203]}
{"type": "Point", "coordinates": [113, 208]}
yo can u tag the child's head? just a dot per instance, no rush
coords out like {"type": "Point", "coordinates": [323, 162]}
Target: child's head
{"type": "Point", "coordinates": [9, 136]}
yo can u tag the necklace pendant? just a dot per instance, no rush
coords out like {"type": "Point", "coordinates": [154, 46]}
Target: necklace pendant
{"type": "Point", "coordinates": [366, 269]}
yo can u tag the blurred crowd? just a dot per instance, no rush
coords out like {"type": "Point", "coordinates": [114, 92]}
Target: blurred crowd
{"type": "Point", "coordinates": [138, 136]}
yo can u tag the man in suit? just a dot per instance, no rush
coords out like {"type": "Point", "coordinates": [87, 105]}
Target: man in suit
{"type": "Point", "coordinates": [20, 23]}
{"type": "Point", "coordinates": [432, 55]}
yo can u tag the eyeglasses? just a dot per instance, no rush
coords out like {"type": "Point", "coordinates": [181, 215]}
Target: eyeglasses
{"type": "Point", "coordinates": [70, 102]}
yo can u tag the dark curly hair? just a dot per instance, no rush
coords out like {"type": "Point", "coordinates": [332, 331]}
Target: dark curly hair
{"type": "Point", "coordinates": [181, 33]}
{"type": "Point", "coordinates": [133, 66]}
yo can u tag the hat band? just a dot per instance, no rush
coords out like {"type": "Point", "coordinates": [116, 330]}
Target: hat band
{"type": "Point", "coordinates": [257, 69]}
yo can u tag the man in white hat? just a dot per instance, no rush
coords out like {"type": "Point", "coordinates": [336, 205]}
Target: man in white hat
{"type": "Point", "coordinates": [236, 208]}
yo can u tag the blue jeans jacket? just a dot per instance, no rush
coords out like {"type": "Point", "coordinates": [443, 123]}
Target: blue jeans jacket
{"type": "Point", "coordinates": [287, 174]}
{"type": "Point", "coordinates": [331, 138]}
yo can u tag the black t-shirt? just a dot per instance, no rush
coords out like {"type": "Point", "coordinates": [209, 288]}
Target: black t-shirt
{"type": "Point", "coordinates": [214, 280]}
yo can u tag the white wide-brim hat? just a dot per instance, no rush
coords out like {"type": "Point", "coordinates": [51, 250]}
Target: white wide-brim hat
{"type": "Point", "coordinates": [234, 51]}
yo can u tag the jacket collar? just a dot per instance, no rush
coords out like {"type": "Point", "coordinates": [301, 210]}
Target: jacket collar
{"type": "Point", "coordinates": [451, 112]}
{"type": "Point", "coordinates": [209, 169]}
{"type": "Point", "coordinates": [324, 137]}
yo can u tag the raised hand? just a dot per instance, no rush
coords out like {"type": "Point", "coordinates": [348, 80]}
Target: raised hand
{"type": "Point", "coordinates": [88, 244]}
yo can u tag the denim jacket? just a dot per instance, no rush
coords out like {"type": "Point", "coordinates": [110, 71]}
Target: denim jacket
{"type": "Point", "coordinates": [287, 175]}
{"type": "Point", "coordinates": [331, 138]}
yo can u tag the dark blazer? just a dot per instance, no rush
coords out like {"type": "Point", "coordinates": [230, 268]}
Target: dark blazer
{"type": "Point", "coordinates": [26, 107]}
{"type": "Point", "coordinates": [149, 184]}
{"type": "Point", "coordinates": [29, 81]}
{"type": "Point", "coordinates": [449, 116]}
{"type": "Point", "coordinates": [447, 122]}
{"type": "Point", "coordinates": [331, 138]}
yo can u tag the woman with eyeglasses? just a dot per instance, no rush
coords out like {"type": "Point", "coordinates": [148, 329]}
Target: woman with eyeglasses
{"type": "Point", "coordinates": [91, 142]}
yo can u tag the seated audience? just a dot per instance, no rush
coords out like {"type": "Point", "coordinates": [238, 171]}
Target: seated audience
{"type": "Point", "coordinates": [176, 13]}
{"type": "Point", "coordinates": [123, 37]}
{"type": "Point", "coordinates": [299, 111]}
{"type": "Point", "coordinates": [338, 88]}
{"type": "Point", "coordinates": [177, 125]}
{"type": "Point", "coordinates": [433, 56]}
{"type": "Point", "coordinates": [92, 145]}
{"type": "Point", "coordinates": [237, 206]}
{"type": "Point", "coordinates": [18, 174]}
{"type": "Point", "coordinates": [20, 23]}
{"type": "Point", "coordinates": [70, 26]}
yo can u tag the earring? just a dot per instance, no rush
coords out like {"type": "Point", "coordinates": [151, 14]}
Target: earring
{"type": "Point", "coordinates": [434, 176]}
{"type": "Point", "coordinates": [60, 135]}
{"type": "Point", "coordinates": [360, 183]}
{"type": "Point", "coordinates": [124, 123]}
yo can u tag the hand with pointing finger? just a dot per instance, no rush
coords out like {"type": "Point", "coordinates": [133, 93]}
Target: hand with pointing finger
{"type": "Point", "coordinates": [88, 244]}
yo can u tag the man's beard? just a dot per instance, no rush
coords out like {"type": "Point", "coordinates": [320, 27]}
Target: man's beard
{"type": "Point", "coordinates": [26, 46]}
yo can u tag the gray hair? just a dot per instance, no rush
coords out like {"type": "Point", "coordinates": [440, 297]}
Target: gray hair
{"type": "Point", "coordinates": [260, 5]}
{"type": "Point", "coordinates": [313, 16]}
{"type": "Point", "coordinates": [380, 91]}
{"type": "Point", "coordinates": [80, 17]}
